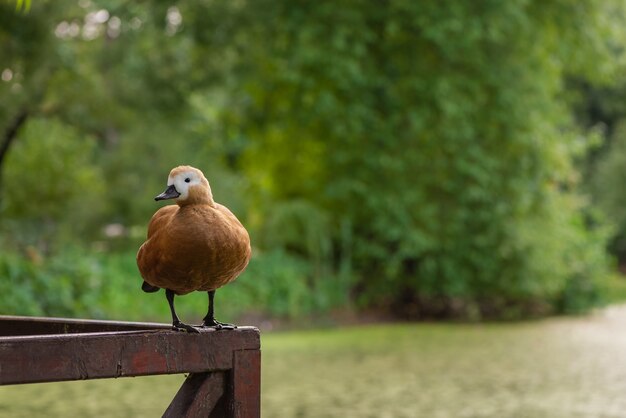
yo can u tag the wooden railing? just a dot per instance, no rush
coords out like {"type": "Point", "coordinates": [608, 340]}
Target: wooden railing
{"type": "Point", "coordinates": [224, 366]}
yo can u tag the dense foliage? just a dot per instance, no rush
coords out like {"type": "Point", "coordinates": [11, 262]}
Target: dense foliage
{"type": "Point", "coordinates": [414, 156]}
{"type": "Point", "coordinates": [436, 134]}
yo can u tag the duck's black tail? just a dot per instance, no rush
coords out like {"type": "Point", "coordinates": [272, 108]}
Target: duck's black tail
{"type": "Point", "coordinates": [148, 288]}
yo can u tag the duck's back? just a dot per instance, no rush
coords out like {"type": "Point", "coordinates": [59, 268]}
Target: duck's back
{"type": "Point", "coordinates": [195, 247]}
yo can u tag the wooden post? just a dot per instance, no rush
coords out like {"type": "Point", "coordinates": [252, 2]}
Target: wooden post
{"type": "Point", "coordinates": [246, 383]}
{"type": "Point", "coordinates": [198, 396]}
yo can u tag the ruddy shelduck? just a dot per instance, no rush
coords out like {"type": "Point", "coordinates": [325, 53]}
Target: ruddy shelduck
{"type": "Point", "coordinates": [196, 244]}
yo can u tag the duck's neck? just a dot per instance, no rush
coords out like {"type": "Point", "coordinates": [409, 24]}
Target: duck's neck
{"type": "Point", "coordinates": [198, 196]}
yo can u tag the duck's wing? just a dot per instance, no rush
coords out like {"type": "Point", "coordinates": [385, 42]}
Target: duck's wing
{"type": "Point", "coordinates": [161, 218]}
{"type": "Point", "coordinates": [150, 253]}
{"type": "Point", "coordinates": [232, 219]}
{"type": "Point", "coordinates": [234, 243]}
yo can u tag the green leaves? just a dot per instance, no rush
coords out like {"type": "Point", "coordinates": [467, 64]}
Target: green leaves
{"type": "Point", "coordinates": [50, 182]}
{"type": "Point", "coordinates": [437, 130]}
{"type": "Point", "coordinates": [423, 149]}
{"type": "Point", "coordinates": [22, 5]}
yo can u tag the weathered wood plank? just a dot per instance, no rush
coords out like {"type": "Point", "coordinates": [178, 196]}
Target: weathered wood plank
{"type": "Point", "coordinates": [246, 384]}
{"type": "Point", "coordinates": [50, 358]}
{"type": "Point", "coordinates": [26, 325]}
{"type": "Point", "coordinates": [224, 365]}
{"type": "Point", "coordinates": [198, 396]}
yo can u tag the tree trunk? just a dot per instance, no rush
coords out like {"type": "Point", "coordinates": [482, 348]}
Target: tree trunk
{"type": "Point", "coordinates": [7, 139]}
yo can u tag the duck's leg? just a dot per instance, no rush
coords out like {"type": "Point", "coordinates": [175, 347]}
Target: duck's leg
{"type": "Point", "coordinates": [176, 323]}
{"type": "Point", "coordinates": [209, 319]}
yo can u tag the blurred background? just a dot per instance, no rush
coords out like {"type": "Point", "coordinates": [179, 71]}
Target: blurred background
{"type": "Point", "coordinates": [394, 161]}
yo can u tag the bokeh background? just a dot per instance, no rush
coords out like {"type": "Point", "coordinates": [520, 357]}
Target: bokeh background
{"type": "Point", "coordinates": [393, 161]}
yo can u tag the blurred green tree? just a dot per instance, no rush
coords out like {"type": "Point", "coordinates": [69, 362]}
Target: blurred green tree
{"type": "Point", "coordinates": [419, 153]}
{"type": "Point", "coordinates": [437, 133]}
{"type": "Point", "coordinates": [113, 75]}
{"type": "Point", "coordinates": [601, 108]}
{"type": "Point", "coordinates": [606, 184]}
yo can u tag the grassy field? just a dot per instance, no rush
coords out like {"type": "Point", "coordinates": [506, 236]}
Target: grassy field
{"type": "Point", "coordinates": [572, 367]}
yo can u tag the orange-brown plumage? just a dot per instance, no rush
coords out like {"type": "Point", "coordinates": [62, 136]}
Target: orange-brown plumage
{"type": "Point", "coordinates": [196, 244]}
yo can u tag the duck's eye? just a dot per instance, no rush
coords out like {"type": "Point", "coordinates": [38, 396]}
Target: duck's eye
{"type": "Point", "coordinates": [187, 180]}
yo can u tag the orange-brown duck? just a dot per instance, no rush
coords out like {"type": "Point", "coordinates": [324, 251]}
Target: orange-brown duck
{"type": "Point", "coordinates": [196, 244]}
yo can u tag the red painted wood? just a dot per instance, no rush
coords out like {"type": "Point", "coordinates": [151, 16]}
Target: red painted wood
{"type": "Point", "coordinates": [246, 384]}
{"type": "Point", "coordinates": [25, 325]}
{"type": "Point", "coordinates": [197, 396]}
{"type": "Point", "coordinates": [225, 365]}
{"type": "Point", "coordinates": [49, 358]}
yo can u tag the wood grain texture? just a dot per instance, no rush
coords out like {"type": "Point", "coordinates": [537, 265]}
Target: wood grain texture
{"type": "Point", "coordinates": [28, 325]}
{"type": "Point", "coordinates": [225, 366]}
{"type": "Point", "coordinates": [246, 384]}
{"type": "Point", "coordinates": [59, 357]}
{"type": "Point", "coordinates": [198, 396]}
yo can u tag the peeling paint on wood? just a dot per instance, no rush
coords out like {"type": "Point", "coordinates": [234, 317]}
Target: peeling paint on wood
{"type": "Point", "coordinates": [225, 365]}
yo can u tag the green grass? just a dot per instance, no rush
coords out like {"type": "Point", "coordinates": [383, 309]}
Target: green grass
{"type": "Point", "coordinates": [553, 368]}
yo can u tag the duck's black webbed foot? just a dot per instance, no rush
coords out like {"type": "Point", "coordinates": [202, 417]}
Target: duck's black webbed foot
{"type": "Point", "coordinates": [209, 320]}
{"type": "Point", "coordinates": [180, 326]}
{"type": "Point", "coordinates": [216, 324]}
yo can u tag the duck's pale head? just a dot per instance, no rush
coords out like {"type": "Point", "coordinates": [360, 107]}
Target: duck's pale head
{"type": "Point", "coordinates": [187, 185]}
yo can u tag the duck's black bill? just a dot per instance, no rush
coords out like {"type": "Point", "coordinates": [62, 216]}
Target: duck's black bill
{"type": "Point", "coordinates": [169, 193]}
